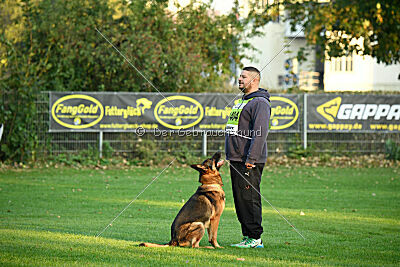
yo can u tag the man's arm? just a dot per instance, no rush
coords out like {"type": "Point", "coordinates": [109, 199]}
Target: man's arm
{"type": "Point", "coordinates": [261, 114]}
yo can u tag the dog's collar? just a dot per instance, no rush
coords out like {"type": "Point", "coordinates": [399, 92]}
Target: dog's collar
{"type": "Point", "coordinates": [212, 185]}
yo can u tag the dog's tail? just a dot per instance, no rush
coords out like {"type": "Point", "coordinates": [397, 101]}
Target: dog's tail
{"type": "Point", "coordinates": [152, 245]}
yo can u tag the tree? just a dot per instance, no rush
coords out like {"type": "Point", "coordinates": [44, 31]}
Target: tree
{"type": "Point", "coordinates": [187, 51]}
{"type": "Point", "coordinates": [345, 26]}
{"type": "Point", "coordinates": [56, 48]}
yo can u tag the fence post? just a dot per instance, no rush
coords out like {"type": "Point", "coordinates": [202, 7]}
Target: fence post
{"type": "Point", "coordinates": [204, 143]}
{"type": "Point", "coordinates": [101, 144]}
{"type": "Point", "coordinates": [1, 130]}
{"type": "Point", "coordinates": [305, 122]}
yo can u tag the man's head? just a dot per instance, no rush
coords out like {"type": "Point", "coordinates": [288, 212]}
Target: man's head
{"type": "Point", "coordinates": [249, 79]}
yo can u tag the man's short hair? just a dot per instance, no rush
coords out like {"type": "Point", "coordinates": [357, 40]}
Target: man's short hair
{"type": "Point", "coordinates": [253, 69]}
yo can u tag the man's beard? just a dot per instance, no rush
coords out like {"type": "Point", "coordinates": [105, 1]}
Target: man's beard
{"type": "Point", "coordinates": [243, 89]}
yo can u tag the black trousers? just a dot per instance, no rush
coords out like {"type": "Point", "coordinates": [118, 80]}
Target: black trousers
{"type": "Point", "coordinates": [247, 200]}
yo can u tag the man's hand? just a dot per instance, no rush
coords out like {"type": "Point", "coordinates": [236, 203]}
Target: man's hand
{"type": "Point", "coordinates": [250, 166]}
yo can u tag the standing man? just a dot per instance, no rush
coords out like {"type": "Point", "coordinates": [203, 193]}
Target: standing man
{"type": "Point", "coordinates": [246, 149]}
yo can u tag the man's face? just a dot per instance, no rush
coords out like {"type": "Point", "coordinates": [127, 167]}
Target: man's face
{"type": "Point", "coordinates": [246, 80]}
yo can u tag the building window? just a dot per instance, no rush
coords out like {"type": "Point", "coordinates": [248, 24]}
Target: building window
{"type": "Point", "coordinates": [339, 64]}
{"type": "Point", "coordinates": [349, 63]}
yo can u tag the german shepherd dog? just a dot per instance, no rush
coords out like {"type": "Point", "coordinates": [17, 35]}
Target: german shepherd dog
{"type": "Point", "coordinates": [202, 211]}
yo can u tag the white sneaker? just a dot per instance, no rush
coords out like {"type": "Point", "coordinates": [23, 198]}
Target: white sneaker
{"type": "Point", "coordinates": [241, 243]}
{"type": "Point", "coordinates": [251, 243]}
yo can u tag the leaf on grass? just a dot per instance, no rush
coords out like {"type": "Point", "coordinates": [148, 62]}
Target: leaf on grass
{"type": "Point", "coordinates": [240, 259]}
{"type": "Point", "coordinates": [302, 213]}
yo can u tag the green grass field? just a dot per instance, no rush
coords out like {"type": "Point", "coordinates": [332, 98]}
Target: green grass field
{"type": "Point", "coordinates": [350, 217]}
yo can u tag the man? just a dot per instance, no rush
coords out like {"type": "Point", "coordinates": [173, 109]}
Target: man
{"type": "Point", "coordinates": [246, 148]}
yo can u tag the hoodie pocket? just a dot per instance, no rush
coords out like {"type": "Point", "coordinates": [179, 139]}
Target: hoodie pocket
{"type": "Point", "coordinates": [237, 145]}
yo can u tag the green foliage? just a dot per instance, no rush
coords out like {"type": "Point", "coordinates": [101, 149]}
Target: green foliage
{"type": "Point", "coordinates": [86, 157]}
{"type": "Point", "coordinates": [335, 25]}
{"type": "Point", "coordinates": [144, 152]}
{"type": "Point", "coordinates": [187, 51]}
{"type": "Point", "coordinates": [392, 150]}
{"type": "Point", "coordinates": [107, 150]}
{"type": "Point", "coordinates": [17, 108]}
{"type": "Point", "coordinates": [186, 155]}
{"type": "Point", "coordinates": [298, 151]}
{"type": "Point", "coordinates": [51, 45]}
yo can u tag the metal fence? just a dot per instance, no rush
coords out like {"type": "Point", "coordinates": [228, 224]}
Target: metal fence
{"type": "Point", "coordinates": [129, 144]}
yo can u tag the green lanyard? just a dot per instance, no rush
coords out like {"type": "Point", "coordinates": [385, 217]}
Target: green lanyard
{"type": "Point", "coordinates": [233, 121]}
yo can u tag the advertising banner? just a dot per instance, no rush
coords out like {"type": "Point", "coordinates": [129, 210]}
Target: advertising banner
{"type": "Point", "coordinates": [353, 113]}
{"type": "Point", "coordinates": [115, 112]}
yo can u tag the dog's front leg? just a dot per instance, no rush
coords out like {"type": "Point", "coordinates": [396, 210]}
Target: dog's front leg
{"type": "Point", "coordinates": [212, 232]}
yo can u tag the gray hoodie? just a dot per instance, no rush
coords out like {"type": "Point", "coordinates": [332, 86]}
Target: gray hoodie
{"type": "Point", "coordinates": [250, 145]}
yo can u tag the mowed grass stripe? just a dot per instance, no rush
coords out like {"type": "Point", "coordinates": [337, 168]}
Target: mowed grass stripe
{"type": "Point", "coordinates": [61, 248]}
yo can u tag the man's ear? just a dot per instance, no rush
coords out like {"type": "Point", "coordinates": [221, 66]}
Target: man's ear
{"type": "Point", "coordinates": [198, 167]}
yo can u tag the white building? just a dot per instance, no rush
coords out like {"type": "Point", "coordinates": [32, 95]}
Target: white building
{"type": "Point", "coordinates": [276, 58]}
{"type": "Point", "coordinates": [357, 73]}
{"type": "Point", "coordinates": [353, 73]}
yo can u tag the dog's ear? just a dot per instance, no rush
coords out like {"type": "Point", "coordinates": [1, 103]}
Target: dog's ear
{"type": "Point", "coordinates": [215, 160]}
{"type": "Point", "coordinates": [217, 156]}
{"type": "Point", "coordinates": [198, 167]}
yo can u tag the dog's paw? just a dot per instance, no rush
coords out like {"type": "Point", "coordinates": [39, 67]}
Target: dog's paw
{"type": "Point", "coordinates": [215, 244]}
